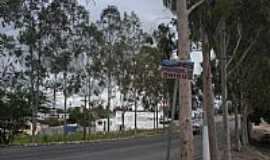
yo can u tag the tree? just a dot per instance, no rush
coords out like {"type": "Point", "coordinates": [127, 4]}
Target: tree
{"type": "Point", "coordinates": [150, 83]}
{"type": "Point", "coordinates": [14, 94]}
{"type": "Point", "coordinates": [110, 22]}
{"type": "Point", "coordinates": [208, 100]}
{"type": "Point", "coordinates": [14, 110]}
{"type": "Point", "coordinates": [133, 38]}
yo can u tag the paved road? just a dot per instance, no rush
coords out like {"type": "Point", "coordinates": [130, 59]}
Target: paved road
{"type": "Point", "coordinates": [135, 149]}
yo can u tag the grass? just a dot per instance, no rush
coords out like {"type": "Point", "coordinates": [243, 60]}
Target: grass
{"type": "Point", "coordinates": [78, 136]}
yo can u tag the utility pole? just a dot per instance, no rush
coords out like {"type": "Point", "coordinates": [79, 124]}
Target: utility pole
{"type": "Point", "coordinates": [186, 132]}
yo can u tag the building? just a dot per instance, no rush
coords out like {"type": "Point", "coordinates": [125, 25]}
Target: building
{"type": "Point", "coordinates": [145, 120]}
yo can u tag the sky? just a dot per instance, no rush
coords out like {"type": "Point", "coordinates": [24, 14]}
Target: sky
{"type": "Point", "coordinates": [151, 12]}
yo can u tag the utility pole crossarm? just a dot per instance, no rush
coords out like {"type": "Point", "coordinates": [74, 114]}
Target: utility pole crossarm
{"type": "Point", "coordinates": [193, 7]}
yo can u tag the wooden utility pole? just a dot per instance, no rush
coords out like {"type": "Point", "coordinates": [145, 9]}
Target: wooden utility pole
{"type": "Point", "coordinates": [186, 133]}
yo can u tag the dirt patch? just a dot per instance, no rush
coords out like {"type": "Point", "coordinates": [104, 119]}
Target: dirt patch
{"type": "Point", "coordinates": [250, 153]}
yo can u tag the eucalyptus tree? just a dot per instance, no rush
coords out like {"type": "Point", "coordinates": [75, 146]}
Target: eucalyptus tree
{"type": "Point", "coordinates": [249, 94]}
{"type": "Point", "coordinates": [133, 38]}
{"type": "Point", "coordinates": [89, 39]}
{"type": "Point", "coordinates": [150, 82]}
{"type": "Point", "coordinates": [14, 97]}
{"type": "Point", "coordinates": [199, 28]}
{"type": "Point", "coordinates": [94, 40]}
{"type": "Point", "coordinates": [164, 37]}
{"type": "Point", "coordinates": [226, 24]}
{"type": "Point", "coordinates": [110, 24]}
{"type": "Point", "coordinates": [30, 35]}
{"type": "Point", "coordinates": [64, 22]}
{"type": "Point", "coordinates": [12, 76]}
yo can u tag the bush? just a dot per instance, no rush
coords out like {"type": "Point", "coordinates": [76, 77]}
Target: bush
{"type": "Point", "coordinates": [53, 122]}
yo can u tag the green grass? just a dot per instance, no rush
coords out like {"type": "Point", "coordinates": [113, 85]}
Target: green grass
{"type": "Point", "coordinates": [78, 136]}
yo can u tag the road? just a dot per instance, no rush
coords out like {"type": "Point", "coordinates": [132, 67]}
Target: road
{"type": "Point", "coordinates": [153, 148]}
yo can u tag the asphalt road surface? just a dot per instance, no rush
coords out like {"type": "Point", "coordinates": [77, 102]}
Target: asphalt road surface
{"type": "Point", "coordinates": [153, 148]}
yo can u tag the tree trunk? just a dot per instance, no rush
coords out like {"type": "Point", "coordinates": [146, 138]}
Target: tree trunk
{"type": "Point", "coordinates": [54, 92]}
{"type": "Point", "coordinates": [166, 107]}
{"type": "Point", "coordinates": [65, 102]}
{"type": "Point", "coordinates": [123, 121]}
{"type": "Point", "coordinates": [34, 123]}
{"type": "Point", "coordinates": [157, 115]}
{"type": "Point", "coordinates": [208, 97]}
{"type": "Point", "coordinates": [84, 117]}
{"type": "Point", "coordinates": [123, 113]}
{"type": "Point", "coordinates": [228, 155]}
{"type": "Point", "coordinates": [37, 96]}
{"type": "Point", "coordinates": [236, 126]}
{"type": "Point", "coordinates": [109, 102]}
{"type": "Point", "coordinates": [245, 140]}
{"type": "Point", "coordinates": [135, 108]}
{"type": "Point", "coordinates": [32, 96]}
{"type": "Point", "coordinates": [186, 135]}
{"type": "Point", "coordinates": [89, 104]}
{"type": "Point", "coordinates": [154, 118]}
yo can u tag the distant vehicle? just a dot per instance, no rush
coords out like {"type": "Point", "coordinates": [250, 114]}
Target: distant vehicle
{"type": "Point", "coordinates": [196, 126]}
{"type": "Point", "coordinates": [165, 120]}
{"type": "Point", "coordinates": [197, 121]}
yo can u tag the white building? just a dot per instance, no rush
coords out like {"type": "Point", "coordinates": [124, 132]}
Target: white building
{"type": "Point", "coordinates": [145, 120]}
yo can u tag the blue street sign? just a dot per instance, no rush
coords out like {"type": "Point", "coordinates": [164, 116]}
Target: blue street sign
{"type": "Point", "coordinates": [171, 63]}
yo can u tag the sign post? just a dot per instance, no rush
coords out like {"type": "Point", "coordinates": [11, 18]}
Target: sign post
{"type": "Point", "coordinates": [175, 69]}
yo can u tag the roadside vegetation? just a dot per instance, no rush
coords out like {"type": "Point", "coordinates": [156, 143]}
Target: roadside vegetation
{"type": "Point", "coordinates": [78, 137]}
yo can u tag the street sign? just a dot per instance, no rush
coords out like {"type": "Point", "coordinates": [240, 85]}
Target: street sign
{"type": "Point", "coordinates": [180, 63]}
{"type": "Point", "coordinates": [176, 69]}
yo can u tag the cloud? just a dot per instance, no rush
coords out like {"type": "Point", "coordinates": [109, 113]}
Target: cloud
{"type": "Point", "coordinates": [151, 12]}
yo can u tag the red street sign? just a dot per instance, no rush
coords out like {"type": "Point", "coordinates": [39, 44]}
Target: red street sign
{"type": "Point", "coordinates": [169, 75]}
{"type": "Point", "coordinates": [171, 69]}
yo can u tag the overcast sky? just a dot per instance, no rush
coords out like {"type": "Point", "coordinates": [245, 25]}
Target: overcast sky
{"type": "Point", "coordinates": [151, 12]}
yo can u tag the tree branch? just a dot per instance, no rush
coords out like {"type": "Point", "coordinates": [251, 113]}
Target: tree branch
{"type": "Point", "coordinates": [227, 41]}
{"type": "Point", "coordinates": [244, 54]}
{"type": "Point", "coordinates": [236, 47]}
{"type": "Point", "coordinates": [194, 6]}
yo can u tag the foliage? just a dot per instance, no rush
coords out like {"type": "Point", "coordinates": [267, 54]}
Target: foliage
{"type": "Point", "coordinates": [52, 122]}
{"type": "Point", "coordinates": [13, 114]}
{"type": "Point", "coordinates": [78, 136]}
